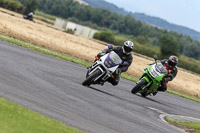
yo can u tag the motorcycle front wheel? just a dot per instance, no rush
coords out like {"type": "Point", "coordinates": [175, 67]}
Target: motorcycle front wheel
{"type": "Point", "coordinates": [88, 81]}
{"type": "Point", "coordinates": [139, 86]}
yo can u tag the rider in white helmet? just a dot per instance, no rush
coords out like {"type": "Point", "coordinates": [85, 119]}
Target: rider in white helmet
{"type": "Point", "coordinates": [124, 53]}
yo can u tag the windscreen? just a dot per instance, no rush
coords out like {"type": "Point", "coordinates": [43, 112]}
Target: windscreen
{"type": "Point", "coordinates": [112, 60]}
{"type": "Point", "coordinates": [115, 58]}
{"type": "Point", "coordinates": [160, 68]}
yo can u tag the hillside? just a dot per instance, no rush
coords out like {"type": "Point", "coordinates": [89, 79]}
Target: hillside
{"type": "Point", "coordinates": [154, 21]}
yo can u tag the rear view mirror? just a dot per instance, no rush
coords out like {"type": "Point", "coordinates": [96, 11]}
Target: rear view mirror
{"type": "Point", "coordinates": [155, 58]}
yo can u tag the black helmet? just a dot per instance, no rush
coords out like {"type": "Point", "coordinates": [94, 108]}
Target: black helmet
{"type": "Point", "coordinates": [127, 47]}
{"type": "Point", "coordinates": [173, 60]}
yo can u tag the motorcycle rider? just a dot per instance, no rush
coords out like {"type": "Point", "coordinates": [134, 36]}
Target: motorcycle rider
{"type": "Point", "coordinates": [124, 52]}
{"type": "Point", "coordinates": [171, 66]}
{"type": "Point", "coordinates": [30, 16]}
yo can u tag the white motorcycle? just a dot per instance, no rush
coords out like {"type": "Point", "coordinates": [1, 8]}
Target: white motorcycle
{"type": "Point", "coordinates": [103, 68]}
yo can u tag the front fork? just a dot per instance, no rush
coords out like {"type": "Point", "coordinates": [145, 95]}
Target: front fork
{"type": "Point", "coordinates": [143, 89]}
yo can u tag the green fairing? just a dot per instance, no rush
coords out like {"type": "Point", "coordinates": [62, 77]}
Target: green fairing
{"type": "Point", "coordinates": [152, 82]}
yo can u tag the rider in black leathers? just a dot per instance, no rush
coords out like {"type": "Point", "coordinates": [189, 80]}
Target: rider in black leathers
{"type": "Point", "coordinates": [171, 66]}
{"type": "Point", "coordinates": [29, 16]}
{"type": "Point", "coordinates": [124, 53]}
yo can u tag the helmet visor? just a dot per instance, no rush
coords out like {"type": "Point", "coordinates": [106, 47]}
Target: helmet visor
{"type": "Point", "coordinates": [171, 64]}
{"type": "Point", "coordinates": [127, 49]}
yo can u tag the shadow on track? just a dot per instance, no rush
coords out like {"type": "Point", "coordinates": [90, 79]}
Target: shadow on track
{"type": "Point", "coordinates": [107, 93]}
{"type": "Point", "coordinates": [152, 100]}
{"type": "Point", "coordinates": [123, 99]}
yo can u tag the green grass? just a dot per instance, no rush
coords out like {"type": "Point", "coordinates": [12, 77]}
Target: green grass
{"type": "Point", "coordinates": [44, 20]}
{"type": "Point", "coordinates": [39, 13]}
{"type": "Point", "coordinates": [79, 61]}
{"type": "Point", "coordinates": [191, 125]}
{"type": "Point", "coordinates": [183, 95]}
{"type": "Point", "coordinates": [17, 119]}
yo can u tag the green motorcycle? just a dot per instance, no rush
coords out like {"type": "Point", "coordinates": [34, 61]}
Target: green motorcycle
{"type": "Point", "coordinates": [151, 79]}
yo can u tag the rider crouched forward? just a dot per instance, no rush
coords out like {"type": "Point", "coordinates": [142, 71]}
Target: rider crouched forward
{"type": "Point", "coordinates": [171, 66]}
{"type": "Point", "coordinates": [124, 52]}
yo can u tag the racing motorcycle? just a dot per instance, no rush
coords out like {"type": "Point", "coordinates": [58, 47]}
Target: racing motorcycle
{"type": "Point", "coordinates": [28, 17]}
{"type": "Point", "coordinates": [151, 79]}
{"type": "Point", "coordinates": [103, 68]}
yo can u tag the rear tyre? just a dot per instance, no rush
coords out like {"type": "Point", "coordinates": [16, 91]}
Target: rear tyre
{"type": "Point", "coordinates": [139, 86]}
{"type": "Point", "coordinates": [88, 81]}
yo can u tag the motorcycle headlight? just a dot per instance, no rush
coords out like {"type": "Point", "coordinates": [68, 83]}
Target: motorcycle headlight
{"type": "Point", "coordinates": [153, 73]}
{"type": "Point", "coordinates": [107, 64]}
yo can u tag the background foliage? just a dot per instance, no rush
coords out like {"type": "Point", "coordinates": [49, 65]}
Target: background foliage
{"type": "Point", "coordinates": [168, 46]}
{"type": "Point", "coordinates": [12, 5]}
{"type": "Point", "coordinates": [155, 21]}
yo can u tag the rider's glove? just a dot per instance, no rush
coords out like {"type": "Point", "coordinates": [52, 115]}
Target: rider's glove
{"type": "Point", "coordinates": [118, 71]}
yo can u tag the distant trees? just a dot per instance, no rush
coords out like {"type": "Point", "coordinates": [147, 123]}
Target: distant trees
{"type": "Point", "coordinates": [168, 46]}
{"type": "Point", "coordinates": [106, 36]}
{"type": "Point", "coordinates": [142, 39]}
{"type": "Point", "coordinates": [30, 5]}
{"type": "Point", "coordinates": [12, 5]}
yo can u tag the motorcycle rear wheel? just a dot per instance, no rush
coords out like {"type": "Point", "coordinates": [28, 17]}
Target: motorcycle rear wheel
{"type": "Point", "coordinates": [88, 81]}
{"type": "Point", "coordinates": [138, 86]}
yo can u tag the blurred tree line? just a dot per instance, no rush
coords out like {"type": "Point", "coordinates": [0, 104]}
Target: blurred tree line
{"type": "Point", "coordinates": [12, 5]}
{"type": "Point", "coordinates": [20, 6]}
{"type": "Point", "coordinates": [151, 40]}
{"type": "Point", "coordinates": [141, 32]}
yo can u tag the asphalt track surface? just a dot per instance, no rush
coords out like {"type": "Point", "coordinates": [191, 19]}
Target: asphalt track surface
{"type": "Point", "coordinates": [52, 87]}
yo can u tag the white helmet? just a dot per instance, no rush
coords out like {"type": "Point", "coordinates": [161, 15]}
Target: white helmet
{"type": "Point", "coordinates": [128, 47]}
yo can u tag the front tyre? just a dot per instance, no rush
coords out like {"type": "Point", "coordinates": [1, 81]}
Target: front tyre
{"type": "Point", "coordinates": [139, 86]}
{"type": "Point", "coordinates": [88, 81]}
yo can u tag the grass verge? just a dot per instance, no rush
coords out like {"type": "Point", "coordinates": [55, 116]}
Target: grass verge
{"type": "Point", "coordinates": [192, 127]}
{"type": "Point", "coordinates": [44, 15]}
{"type": "Point", "coordinates": [79, 61]}
{"type": "Point", "coordinates": [183, 95]}
{"type": "Point", "coordinates": [17, 119]}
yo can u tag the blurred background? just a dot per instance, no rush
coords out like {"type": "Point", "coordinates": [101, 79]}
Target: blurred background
{"type": "Point", "coordinates": [157, 28]}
